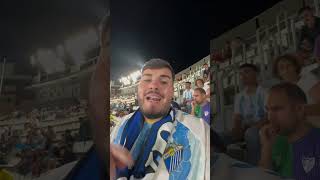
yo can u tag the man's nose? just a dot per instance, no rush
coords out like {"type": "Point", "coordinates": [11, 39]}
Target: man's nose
{"type": "Point", "coordinates": [155, 84]}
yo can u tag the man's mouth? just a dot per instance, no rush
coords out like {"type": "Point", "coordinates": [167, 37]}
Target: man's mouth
{"type": "Point", "coordinates": [153, 97]}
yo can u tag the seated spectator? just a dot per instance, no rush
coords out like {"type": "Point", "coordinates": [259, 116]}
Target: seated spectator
{"type": "Point", "coordinates": [289, 145]}
{"type": "Point", "coordinates": [68, 138]}
{"type": "Point", "coordinates": [85, 130]}
{"type": "Point", "coordinates": [25, 164]}
{"type": "Point", "coordinates": [206, 86]}
{"type": "Point", "coordinates": [50, 138]}
{"type": "Point", "coordinates": [206, 69]}
{"type": "Point", "coordinates": [287, 68]}
{"type": "Point", "coordinates": [66, 155]}
{"type": "Point", "coordinates": [199, 83]}
{"type": "Point", "coordinates": [309, 31]}
{"type": "Point", "coordinates": [226, 51]}
{"type": "Point", "coordinates": [237, 45]}
{"type": "Point", "coordinates": [187, 97]}
{"type": "Point", "coordinates": [200, 105]}
{"type": "Point", "coordinates": [305, 62]}
{"type": "Point", "coordinates": [249, 112]}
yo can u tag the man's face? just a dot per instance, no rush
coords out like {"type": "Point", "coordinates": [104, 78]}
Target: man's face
{"type": "Point", "coordinates": [248, 76]}
{"type": "Point", "coordinates": [198, 97]}
{"type": "Point", "coordinates": [308, 18]}
{"type": "Point", "coordinates": [200, 84]}
{"type": "Point", "coordinates": [286, 69]}
{"type": "Point", "coordinates": [283, 115]}
{"type": "Point", "coordinates": [155, 92]}
{"type": "Point", "coordinates": [188, 85]}
{"type": "Point", "coordinates": [206, 66]}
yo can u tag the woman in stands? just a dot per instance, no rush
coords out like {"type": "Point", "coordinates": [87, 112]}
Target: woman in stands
{"type": "Point", "coordinates": [287, 68]}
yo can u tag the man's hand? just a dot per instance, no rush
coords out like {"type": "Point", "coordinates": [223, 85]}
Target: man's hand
{"type": "Point", "coordinates": [119, 158]}
{"type": "Point", "coordinates": [193, 104]}
{"type": "Point", "coordinates": [267, 138]}
{"type": "Point", "coordinates": [268, 135]}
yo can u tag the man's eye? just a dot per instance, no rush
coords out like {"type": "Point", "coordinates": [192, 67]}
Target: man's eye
{"type": "Point", "coordinates": [164, 82]}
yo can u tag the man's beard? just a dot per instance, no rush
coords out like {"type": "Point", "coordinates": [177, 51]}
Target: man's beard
{"type": "Point", "coordinates": [150, 115]}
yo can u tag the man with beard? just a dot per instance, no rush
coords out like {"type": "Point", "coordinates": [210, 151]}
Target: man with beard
{"type": "Point", "coordinates": [162, 142]}
{"type": "Point", "coordinates": [289, 145]}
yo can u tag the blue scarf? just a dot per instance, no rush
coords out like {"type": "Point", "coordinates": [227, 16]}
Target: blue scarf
{"type": "Point", "coordinates": [130, 134]}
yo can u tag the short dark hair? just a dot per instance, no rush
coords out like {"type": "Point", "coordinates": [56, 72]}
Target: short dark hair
{"type": "Point", "coordinates": [158, 63]}
{"type": "Point", "coordinates": [294, 92]}
{"type": "Point", "coordinates": [305, 8]}
{"type": "Point", "coordinates": [291, 58]}
{"type": "Point", "coordinates": [188, 82]}
{"type": "Point", "coordinates": [200, 80]}
{"type": "Point", "coordinates": [201, 90]}
{"type": "Point", "coordinates": [252, 66]}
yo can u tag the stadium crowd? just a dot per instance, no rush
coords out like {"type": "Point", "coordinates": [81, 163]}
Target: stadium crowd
{"type": "Point", "coordinates": [39, 147]}
{"type": "Point", "coordinates": [277, 125]}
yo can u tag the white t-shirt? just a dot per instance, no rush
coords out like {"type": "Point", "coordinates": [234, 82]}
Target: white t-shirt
{"type": "Point", "coordinates": [307, 69]}
{"type": "Point", "coordinates": [251, 107]}
{"type": "Point", "coordinates": [306, 82]}
{"type": "Point", "coordinates": [206, 86]}
{"type": "Point", "coordinates": [188, 94]}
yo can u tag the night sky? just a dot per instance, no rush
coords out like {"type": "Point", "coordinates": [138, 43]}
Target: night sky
{"type": "Point", "coordinates": [29, 25]}
{"type": "Point", "coordinates": [178, 31]}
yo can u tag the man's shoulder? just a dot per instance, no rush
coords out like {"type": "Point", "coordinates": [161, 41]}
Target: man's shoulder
{"type": "Point", "coordinates": [207, 105]}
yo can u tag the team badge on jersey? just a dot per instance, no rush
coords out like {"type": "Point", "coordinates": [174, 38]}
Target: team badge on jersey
{"type": "Point", "coordinates": [308, 163]}
{"type": "Point", "coordinates": [173, 156]}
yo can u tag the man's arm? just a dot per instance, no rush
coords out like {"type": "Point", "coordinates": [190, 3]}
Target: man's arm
{"type": "Point", "coordinates": [193, 108]}
{"type": "Point", "coordinates": [267, 139]}
{"type": "Point", "coordinates": [99, 94]}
